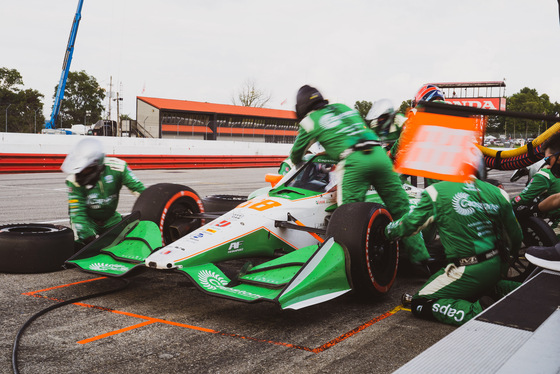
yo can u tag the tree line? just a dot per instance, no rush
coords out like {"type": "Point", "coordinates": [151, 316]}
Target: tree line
{"type": "Point", "coordinates": [527, 100]}
{"type": "Point", "coordinates": [83, 103]}
{"type": "Point", "coordinates": [23, 108]}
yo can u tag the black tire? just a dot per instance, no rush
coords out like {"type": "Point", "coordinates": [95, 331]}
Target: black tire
{"type": "Point", "coordinates": [222, 203]}
{"type": "Point", "coordinates": [373, 261]}
{"type": "Point", "coordinates": [169, 206]}
{"type": "Point", "coordinates": [34, 247]}
{"type": "Point", "coordinates": [536, 232]}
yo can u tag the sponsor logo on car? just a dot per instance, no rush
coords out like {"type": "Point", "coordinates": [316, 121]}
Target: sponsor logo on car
{"type": "Point", "coordinates": [222, 224]}
{"type": "Point", "coordinates": [213, 281]}
{"type": "Point", "coordinates": [99, 266]}
{"type": "Point", "coordinates": [236, 247]}
{"type": "Point", "coordinates": [196, 236]}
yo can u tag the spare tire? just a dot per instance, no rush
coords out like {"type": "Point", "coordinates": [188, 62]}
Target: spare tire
{"type": "Point", "coordinates": [171, 207]}
{"type": "Point", "coordinates": [34, 247]}
{"type": "Point", "coordinates": [222, 203]}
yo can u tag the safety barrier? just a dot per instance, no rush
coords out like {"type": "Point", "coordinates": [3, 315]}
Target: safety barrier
{"type": "Point", "coordinates": [33, 163]}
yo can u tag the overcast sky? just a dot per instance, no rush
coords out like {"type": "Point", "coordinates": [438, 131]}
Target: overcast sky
{"type": "Point", "coordinates": [351, 50]}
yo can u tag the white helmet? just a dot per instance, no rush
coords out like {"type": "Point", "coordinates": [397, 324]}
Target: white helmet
{"type": "Point", "coordinates": [316, 148]}
{"type": "Point", "coordinates": [381, 116]}
{"type": "Point", "coordinates": [87, 156]}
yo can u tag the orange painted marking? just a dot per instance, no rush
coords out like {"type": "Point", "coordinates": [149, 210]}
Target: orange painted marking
{"type": "Point", "coordinates": [64, 285]}
{"type": "Point", "coordinates": [85, 341]}
{"type": "Point", "coordinates": [149, 320]}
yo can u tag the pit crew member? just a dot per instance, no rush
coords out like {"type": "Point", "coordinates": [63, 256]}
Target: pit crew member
{"type": "Point", "coordinates": [385, 121]}
{"type": "Point", "coordinates": [463, 214]}
{"type": "Point", "coordinates": [544, 183]}
{"type": "Point", "coordinates": [94, 183]}
{"type": "Point", "coordinates": [362, 162]}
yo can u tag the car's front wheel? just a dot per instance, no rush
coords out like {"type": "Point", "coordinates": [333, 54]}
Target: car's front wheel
{"type": "Point", "coordinates": [172, 207]}
{"type": "Point", "coordinates": [373, 260]}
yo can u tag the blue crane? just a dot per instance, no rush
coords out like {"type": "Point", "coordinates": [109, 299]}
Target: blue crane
{"type": "Point", "coordinates": [51, 124]}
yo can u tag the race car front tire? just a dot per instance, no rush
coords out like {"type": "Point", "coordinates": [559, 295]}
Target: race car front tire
{"type": "Point", "coordinates": [34, 247]}
{"type": "Point", "coordinates": [373, 260]}
{"type": "Point", "coordinates": [171, 206]}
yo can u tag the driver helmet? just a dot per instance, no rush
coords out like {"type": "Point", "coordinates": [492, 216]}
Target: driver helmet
{"type": "Point", "coordinates": [85, 161]}
{"type": "Point", "coordinates": [308, 99]}
{"type": "Point", "coordinates": [428, 92]}
{"type": "Point", "coordinates": [381, 116]}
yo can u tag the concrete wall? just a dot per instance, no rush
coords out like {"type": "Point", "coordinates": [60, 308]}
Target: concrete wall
{"type": "Point", "coordinates": [62, 144]}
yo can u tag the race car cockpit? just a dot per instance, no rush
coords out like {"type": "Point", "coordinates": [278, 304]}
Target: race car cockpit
{"type": "Point", "coordinates": [317, 175]}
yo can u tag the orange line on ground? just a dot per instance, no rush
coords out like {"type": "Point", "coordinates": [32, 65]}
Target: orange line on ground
{"type": "Point", "coordinates": [115, 332]}
{"type": "Point", "coordinates": [64, 285]}
{"type": "Point", "coordinates": [150, 320]}
{"type": "Point", "coordinates": [345, 336]}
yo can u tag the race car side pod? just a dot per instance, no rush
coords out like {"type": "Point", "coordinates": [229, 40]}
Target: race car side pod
{"type": "Point", "coordinates": [52, 307]}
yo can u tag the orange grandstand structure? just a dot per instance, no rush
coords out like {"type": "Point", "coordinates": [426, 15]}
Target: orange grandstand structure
{"type": "Point", "coordinates": [169, 118]}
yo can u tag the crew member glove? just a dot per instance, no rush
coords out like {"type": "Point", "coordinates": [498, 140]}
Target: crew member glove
{"type": "Point", "coordinates": [524, 211]}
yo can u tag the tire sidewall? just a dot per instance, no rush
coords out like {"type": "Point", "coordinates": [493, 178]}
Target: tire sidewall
{"type": "Point", "coordinates": [351, 225]}
{"type": "Point", "coordinates": [34, 247]}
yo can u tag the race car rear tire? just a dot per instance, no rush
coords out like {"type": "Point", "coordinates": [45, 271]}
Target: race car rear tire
{"type": "Point", "coordinates": [373, 260]}
{"type": "Point", "coordinates": [222, 203]}
{"type": "Point", "coordinates": [34, 247]}
{"type": "Point", "coordinates": [169, 206]}
{"type": "Point", "coordinates": [536, 232]}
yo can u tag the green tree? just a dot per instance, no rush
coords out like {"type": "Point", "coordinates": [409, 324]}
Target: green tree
{"type": "Point", "coordinates": [528, 100]}
{"type": "Point", "coordinates": [405, 106]}
{"type": "Point", "coordinates": [82, 96]}
{"type": "Point", "coordinates": [22, 107]}
{"type": "Point", "coordinates": [363, 107]}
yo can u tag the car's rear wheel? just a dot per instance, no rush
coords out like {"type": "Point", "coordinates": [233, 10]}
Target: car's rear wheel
{"type": "Point", "coordinates": [172, 207]}
{"type": "Point", "coordinates": [373, 260]}
{"type": "Point", "coordinates": [34, 247]}
{"type": "Point", "coordinates": [536, 232]}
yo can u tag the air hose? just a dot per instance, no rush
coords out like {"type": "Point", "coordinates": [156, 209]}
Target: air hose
{"type": "Point", "coordinates": [52, 307]}
{"type": "Point", "coordinates": [520, 157]}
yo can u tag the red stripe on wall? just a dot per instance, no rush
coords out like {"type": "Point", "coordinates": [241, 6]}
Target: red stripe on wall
{"type": "Point", "coordinates": [33, 163]}
{"type": "Point", "coordinates": [188, 129]}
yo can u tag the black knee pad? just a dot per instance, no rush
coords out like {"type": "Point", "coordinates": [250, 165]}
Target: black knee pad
{"type": "Point", "coordinates": [422, 308]}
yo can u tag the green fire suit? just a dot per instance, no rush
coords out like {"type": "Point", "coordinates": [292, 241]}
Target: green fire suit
{"type": "Point", "coordinates": [341, 131]}
{"type": "Point", "coordinates": [463, 214]}
{"type": "Point", "coordinates": [94, 210]}
{"type": "Point", "coordinates": [393, 133]}
{"type": "Point", "coordinates": [541, 186]}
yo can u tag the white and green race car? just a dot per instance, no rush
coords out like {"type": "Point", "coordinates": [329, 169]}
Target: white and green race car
{"type": "Point", "coordinates": [290, 245]}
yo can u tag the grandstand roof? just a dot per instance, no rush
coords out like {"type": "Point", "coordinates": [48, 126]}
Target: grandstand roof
{"type": "Point", "coordinates": [195, 106]}
{"type": "Point", "coordinates": [470, 84]}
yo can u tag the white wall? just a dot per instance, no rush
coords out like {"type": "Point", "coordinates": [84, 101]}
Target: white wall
{"type": "Point", "coordinates": [62, 144]}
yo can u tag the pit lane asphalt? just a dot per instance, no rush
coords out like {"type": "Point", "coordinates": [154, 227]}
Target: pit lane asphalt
{"type": "Point", "coordinates": [162, 323]}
